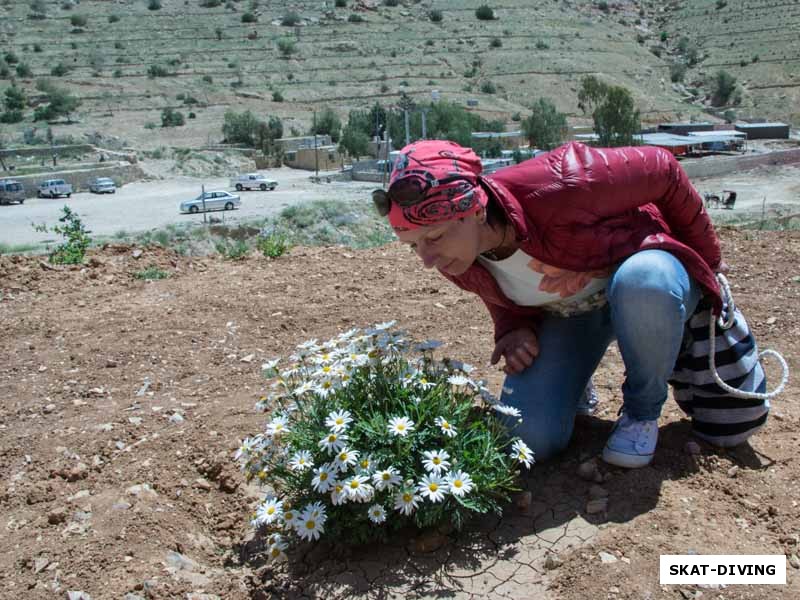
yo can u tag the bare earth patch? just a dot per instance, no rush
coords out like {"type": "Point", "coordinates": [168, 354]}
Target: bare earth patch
{"type": "Point", "coordinates": [122, 401]}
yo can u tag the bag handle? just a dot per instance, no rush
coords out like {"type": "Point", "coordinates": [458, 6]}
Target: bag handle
{"type": "Point", "coordinates": [726, 322]}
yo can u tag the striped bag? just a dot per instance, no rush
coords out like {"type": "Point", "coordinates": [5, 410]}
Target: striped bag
{"type": "Point", "coordinates": [718, 380]}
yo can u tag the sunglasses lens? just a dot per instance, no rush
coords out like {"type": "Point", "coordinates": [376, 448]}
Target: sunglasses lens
{"type": "Point", "coordinates": [381, 201]}
{"type": "Point", "coordinates": [407, 192]}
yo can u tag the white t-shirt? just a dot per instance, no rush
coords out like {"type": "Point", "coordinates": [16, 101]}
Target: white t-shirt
{"type": "Point", "coordinates": [529, 282]}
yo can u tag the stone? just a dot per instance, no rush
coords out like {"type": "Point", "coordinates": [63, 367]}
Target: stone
{"type": "Point", "coordinates": [142, 490]}
{"type": "Point", "coordinates": [40, 564]}
{"type": "Point", "coordinates": [597, 491]}
{"type": "Point", "coordinates": [202, 484]}
{"type": "Point", "coordinates": [75, 595]}
{"type": "Point", "coordinates": [176, 418]}
{"type": "Point", "coordinates": [596, 506]}
{"type": "Point", "coordinates": [137, 253]}
{"type": "Point", "coordinates": [607, 558]}
{"type": "Point", "coordinates": [733, 471]}
{"type": "Point", "coordinates": [552, 561]}
{"type": "Point", "coordinates": [588, 470]}
{"type": "Point", "coordinates": [691, 447]}
{"type": "Point", "coordinates": [57, 516]}
{"type": "Point", "coordinates": [429, 541]}
{"type": "Point", "coordinates": [794, 561]}
{"type": "Point", "coordinates": [247, 359]}
{"type": "Point", "coordinates": [49, 408]}
{"type": "Point", "coordinates": [523, 500]}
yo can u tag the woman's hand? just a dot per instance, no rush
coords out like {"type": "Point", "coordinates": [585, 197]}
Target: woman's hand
{"type": "Point", "coordinates": [519, 347]}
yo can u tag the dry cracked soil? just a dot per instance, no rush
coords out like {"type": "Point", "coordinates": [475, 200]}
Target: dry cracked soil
{"type": "Point", "coordinates": [122, 402]}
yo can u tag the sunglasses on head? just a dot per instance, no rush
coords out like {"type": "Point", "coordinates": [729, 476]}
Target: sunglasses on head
{"type": "Point", "coordinates": [409, 191]}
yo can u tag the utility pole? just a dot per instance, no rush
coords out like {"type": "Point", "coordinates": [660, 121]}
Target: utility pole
{"type": "Point", "coordinates": [405, 121]}
{"type": "Point", "coordinates": [424, 124]}
{"type": "Point", "coordinates": [203, 196]}
{"type": "Point", "coordinates": [316, 154]}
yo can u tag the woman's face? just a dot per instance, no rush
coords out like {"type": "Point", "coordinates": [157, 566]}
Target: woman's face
{"type": "Point", "coordinates": [451, 246]}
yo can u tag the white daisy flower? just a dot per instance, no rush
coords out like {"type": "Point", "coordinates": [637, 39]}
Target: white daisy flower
{"type": "Point", "coordinates": [427, 345]}
{"type": "Point", "coordinates": [333, 442]}
{"type": "Point", "coordinates": [339, 420]}
{"type": "Point", "coordinates": [269, 368]}
{"type": "Point", "coordinates": [277, 551]}
{"type": "Point", "coordinates": [345, 458]}
{"type": "Point", "coordinates": [309, 345]}
{"type": "Point", "coordinates": [274, 538]}
{"type": "Point", "coordinates": [458, 380]}
{"type": "Point", "coordinates": [401, 426]}
{"type": "Point", "coordinates": [424, 383]}
{"type": "Point", "coordinates": [301, 461]}
{"type": "Point", "coordinates": [377, 514]}
{"type": "Point", "coordinates": [367, 465]}
{"type": "Point", "coordinates": [357, 487]}
{"type": "Point", "coordinates": [459, 483]}
{"type": "Point", "coordinates": [436, 461]}
{"type": "Point", "coordinates": [269, 512]}
{"type": "Point", "coordinates": [278, 426]}
{"type": "Point", "coordinates": [303, 388]}
{"type": "Point", "coordinates": [505, 409]}
{"type": "Point", "coordinates": [382, 327]}
{"type": "Point", "coordinates": [432, 487]}
{"type": "Point", "coordinates": [345, 336]}
{"type": "Point", "coordinates": [309, 528]}
{"type": "Point", "coordinates": [386, 479]}
{"type": "Point", "coordinates": [338, 494]}
{"type": "Point", "coordinates": [521, 452]}
{"type": "Point", "coordinates": [245, 449]}
{"type": "Point", "coordinates": [508, 391]}
{"type": "Point", "coordinates": [323, 479]}
{"type": "Point", "coordinates": [289, 518]}
{"type": "Point", "coordinates": [447, 428]}
{"type": "Point", "coordinates": [324, 388]}
{"type": "Point", "coordinates": [315, 510]}
{"type": "Point", "coordinates": [406, 502]}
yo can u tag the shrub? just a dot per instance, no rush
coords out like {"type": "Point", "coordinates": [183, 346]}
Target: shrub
{"type": "Point", "coordinates": [210, 3]}
{"type": "Point", "coordinates": [429, 42]}
{"type": "Point", "coordinates": [150, 125]}
{"type": "Point", "coordinates": [355, 18]}
{"type": "Point", "coordinates": [11, 58]}
{"type": "Point", "coordinates": [11, 116]}
{"type": "Point", "coordinates": [119, 45]}
{"type": "Point", "coordinates": [76, 239]}
{"type": "Point", "coordinates": [192, 115]}
{"type": "Point", "coordinates": [677, 71]}
{"type": "Point", "coordinates": [113, 18]}
{"type": "Point", "coordinates": [15, 99]}
{"type": "Point", "coordinates": [487, 87]}
{"type": "Point", "coordinates": [391, 2]}
{"type": "Point", "coordinates": [233, 250]}
{"type": "Point", "coordinates": [59, 70]}
{"type": "Point", "coordinates": [405, 418]}
{"type": "Point", "coordinates": [150, 273]}
{"type": "Point", "coordinates": [484, 13]}
{"type": "Point", "coordinates": [542, 45]}
{"type": "Point", "coordinates": [286, 46]}
{"type": "Point", "coordinates": [546, 127]}
{"type": "Point", "coordinates": [37, 47]}
{"type": "Point", "coordinates": [273, 244]}
{"type": "Point", "coordinates": [640, 38]}
{"type": "Point", "coordinates": [341, 3]}
{"type": "Point", "coordinates": [78, 20]}
{"type": "Point", "coordinates": [496, 43]}
{"type": "Point", "coordinates": [154, 71]}
{"type": "Point", "coordinates": [249, 17]}
{"type": "Point", "coordinates": [436, 15]}
{"type": "Point", "coordinates": [602, 5]}
{"type": "Point", "coordinates": [208, 79]}
{"type": "Point", "coordinates": [154, 5]}
{"type": "Point", "coordinates": [172, 118]}
{"type": "Point", "coordinates": [277, 96]}
{"type": "Point", "coordinates": [721, 4]}
{"type": "Point", "coordinates": [117, 73]}
{"type": "Point", "coordinates": [723, 87]}
{"type": "Point", "coordinates": [663, 36]}
{"type": "Point", "coordinates": [24, 71]}
{"type": "Point", "coordinates": [290, 19]}
{"type": "Point", "coordinates": [384, 88]}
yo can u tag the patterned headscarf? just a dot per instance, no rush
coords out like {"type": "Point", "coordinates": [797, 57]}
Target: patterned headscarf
{"type": "Point", "coordinates": [434, 181]}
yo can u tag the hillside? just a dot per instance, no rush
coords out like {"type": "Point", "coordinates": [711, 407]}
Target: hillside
{"type": "Point", "coordinates": [367, 51]}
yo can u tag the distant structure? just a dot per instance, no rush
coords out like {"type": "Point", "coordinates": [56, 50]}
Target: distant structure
{"type": "Point", "coordinates": [324, 158]}
{"type": "Point", "coordinates": [684, 128]}
{"type": "Point", "coordinates": [509, 140]}
{"type": "Point", "coordinates": [292, 144]}
{"type": "Point", "coordinates": [764, 131]}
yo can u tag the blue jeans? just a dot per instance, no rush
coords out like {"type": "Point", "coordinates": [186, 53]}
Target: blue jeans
{"type": "Point", "coordinates": [650, 297]}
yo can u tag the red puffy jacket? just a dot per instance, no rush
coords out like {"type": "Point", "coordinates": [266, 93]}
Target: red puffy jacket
{"type": "Point", "coordinates": [582, 209]}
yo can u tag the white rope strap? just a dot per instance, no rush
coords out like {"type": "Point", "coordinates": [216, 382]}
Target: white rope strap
{"type": "Point", "coordinates": [726, 322]}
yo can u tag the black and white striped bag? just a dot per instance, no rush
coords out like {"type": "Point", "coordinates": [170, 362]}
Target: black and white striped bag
{"type": "Point", "coordinates": [718, 380]}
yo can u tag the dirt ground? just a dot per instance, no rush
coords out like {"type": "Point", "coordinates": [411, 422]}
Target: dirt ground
{"type": "Point", "coordinates": [122, 402]}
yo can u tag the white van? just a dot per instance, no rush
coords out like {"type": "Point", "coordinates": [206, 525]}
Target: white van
{"type": "Point", "coordinates": [253, 181]}
{"type": "Point", "coordinates": [53, 188]}
{"type": "Point", "coordinates": [11, 191]}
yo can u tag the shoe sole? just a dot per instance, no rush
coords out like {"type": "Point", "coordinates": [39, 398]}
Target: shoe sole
{"type": "Point", "coordinates": [628, 461]}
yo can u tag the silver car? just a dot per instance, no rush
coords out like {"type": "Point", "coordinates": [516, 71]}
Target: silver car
{"type": "Point", "coordinates": [102, 185]}
{"type": "Point", "coordinates": [219, 200]}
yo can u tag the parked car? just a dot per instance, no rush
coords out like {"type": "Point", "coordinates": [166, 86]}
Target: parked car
{"type": "Point", "coordinates": [102, 185]}
{"type": "Point", "coordinates": [53, 188]}
{"type": "Point", "coordinates": [253, 181]}
{"type": "Point", "coordinates": [219, 200]}
{"type": "Point", "coordinates": [11, 191]}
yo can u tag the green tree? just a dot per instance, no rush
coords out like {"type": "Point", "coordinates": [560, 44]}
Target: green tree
{"type": "Point", "coordinates": [172, 118]}
{"type": "Point", "coordinates": [722, 88]}
{"type": "Point", "coordinates": [355, 141]}
{"type": "Point", "coordinates": [545, 128]}
{"type": "Point", "coordinates": [484, 13]}
{"type": "Point", "coordinates": [327, 123]}
{"type": "Point", "coordinates": [616, 119]}
{"type": "Point", "coordinates": [286, 46]}
{"type": "Point", "coordinates": [240, 128]}
{"type": "Point", "coordinates": [15, 99]}
{"type": "Point", "coordinates": [266, 134]}
{"type": "Point", "coordinates": [60, 103]}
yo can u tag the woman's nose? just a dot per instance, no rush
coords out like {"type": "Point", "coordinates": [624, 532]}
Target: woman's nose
{"type": "Point", "coordinates": [428, 258]}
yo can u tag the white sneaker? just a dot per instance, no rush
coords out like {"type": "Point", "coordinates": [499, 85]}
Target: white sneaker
{"type": "Point", "coordinates": [587, 403]}
{"type": "Point", "coordinates": [632, 443]}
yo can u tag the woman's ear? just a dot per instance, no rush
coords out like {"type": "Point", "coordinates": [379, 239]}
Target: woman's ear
{"type": "Point", "coordinates": [481, 216]}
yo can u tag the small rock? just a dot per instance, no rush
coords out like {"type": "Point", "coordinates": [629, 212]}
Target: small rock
{"type": "Point", "coordinates": [596, 506]}
{"type": "Point", "coordinates": [202, 484]}
{"type": "Point", "coordinates": [40, 564]}
{"type": "Point", "coordinates": [57, 516]}
{"type": "Point", "coordinates": [79, 471]}
{"type": "Point", "coordinates": [588, 470]}
{"type": "Point", "coordinates": [247, 359]}
{"type": "Point", "coordinates": [79, 495]}
{"type": "Point", "coordinates": [142, 490]}
{"type": "Point", "coordinates": [78, 596]}
{"type": "Point", "coordinates": [733, 471]}
{"type": "Point", "coordinates": [607, 558]}
{"type": "Point", "coordinates": [771, 321]}
{"type": "Point", "coordinates": [105, 427]}
{"type": "Point", "coordinates": [111, 363]}
{"type": "Point", "coordinates": [132, 596]}
{"type": "Point", "coordinates": [48, 409]}
{"type": "Point", "coordinates": [626, 560]}
{"type": "Point", "coordinates": [552, 562]}
{"type": "Point", "coordinates": [613, 590]}
{"type": "Point", "coordinates": [430, 541]}
{"type": "Point", "coordinates": [200, 596]}
{"type": "Point", "coordinates": [121, 505]}
{"type": "Point", "coordinates": [137, 253]}
{"type": "Point", "coordinates": [597, 491]}
{"type": "Point", "coordinates": [691, 447]}
{"type": "Point", "coordinates": [176, 418]}
{"type": "Point", "coordinates": [135, 420]}
{"type": "Point", "coordinates": [228, 484]}
{"type": "Point", "coordinates": [794, 561]}
{"type": "Point", "coordinates": [523, 500]}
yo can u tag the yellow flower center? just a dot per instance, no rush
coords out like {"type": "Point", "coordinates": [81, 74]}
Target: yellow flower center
{"type": "Point", "coordinates": [406, 497]}
{"type": "Point", "coordinates": [423, 380]}
{"type": "Point", "coordinates": [327, 384]}
{"type": "Point", "coordinates": [276, 552]}
{"type": "Point", "coordinates": [326, 369]}
{"type": "Point", "coordinates": [323, 476]}
{"type": "Point", "coordinates": [445, 425]}
{"type": "Point", "coordinates": [288, 516]}
{"type": "Point", "coordinates": [433, 487]}
{"type": "Point", "coordinates": [310, 524]}
{"type": "Point", "coordinates": [339, 488]}
{"type": "Point", "coordinates": [386, 476]}
{"type": "Point", "coordinates": [262, 475]}
{"type": "Point", "coordinates": [343, 456]}
{"type": "Point", "coordinates": [271, 510]}
{"type": "Point", "coordinates": [437, 460]}
{"type": "Point", "coordinates": [354, 485]}
{"type": "Point", "coordinates": [278, 427]}
{"type": "Point", "coordinates": [457, 483]}
{"type": "Point", "coordinates": [340, 421]}
{"type": "Point", "coordinates": [401, 427]}
{"type": "Point", "coordinates": [332, 438]}
{"type": "Point", "coordinates": [364, 464]}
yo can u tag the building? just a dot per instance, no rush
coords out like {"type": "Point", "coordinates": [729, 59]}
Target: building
{"type": "Point", "coordinates": [684, 128]}
{"type": "Point", "coordinates": [291, 144]}
{"type": "Point", "coordinates": [324, 158]}
{"type": "Point", "coordinates": [764, 131]}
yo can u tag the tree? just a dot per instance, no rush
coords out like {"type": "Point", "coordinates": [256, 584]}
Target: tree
{"type": "Point", "coordinates": [172, 118]}
{"type": "Point", "coordinates": [723, 87]}
{"type": "Point", "coordinates": [616, 120]}
{"type": "Point", "coordinates": [327, 123]}
{"type": "Point", "coordinates": [15, 98]}
{"type": "Point", "coordinates": [545, 128]}
{"type": "Point", "coordinates": [60, 103]}
{"type": "Point", "coordinates": [267, 132]}
{"type": "Point", "coordinates": [240, 128]}
{"type": "Point", "coordinates": [355, 141]}
{"type": "Point", "coordinates": [286, 46]}
{"type": "Point", "coordinates": [484, 13]}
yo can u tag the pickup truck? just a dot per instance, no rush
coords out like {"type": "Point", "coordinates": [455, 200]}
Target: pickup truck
{"type": "Point", "coordinates": [53, 188]}
{"type": "Point", "coordinates": [11, 191]}
{"type": "Point", "coordinates": [253, 181]}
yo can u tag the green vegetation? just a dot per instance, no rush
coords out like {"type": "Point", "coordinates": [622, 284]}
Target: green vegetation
{"type": "Point", "coordinates": [496, 43]}
{"type": "Point", "coordinates": [75, 239]}
{"type": "Point", "coordinates": [172, 118]}
{"type": "Point", "coordinates": [616, 120]}
{"type": "Point", "coordinates": [154, 5]}
{"type": "Point", "coordinates": [488, 87]}
{"type": "Point", "coordinates": [545, 128]}
{"type": "Point", "coordinates": [246, 128]}
{"type": "Point", "coordinates": [286, 46]}
{"type": "Point", "coordinates": [290, 19]}
{"type": "Point", "coordinates": [355, 18]}
{"type": "Point", "coordinates": [723, 89]}
{"type": "Point", "coordinates": [249, 17]}
{"type": "Point", "coordinates": [354, 141]}
{"type": "Point", "coordinates": [24, 71]}
{"type": "Point", "coordinates": [151, 273]}
{"type": "Point", "coordinates": [327, 123]}
{"type": "Point", "coordinates": [436, 15]}
{"type": "Point", "coordinates": [273, 244]}
{"type": "Point", "coordinates": [341, 3]}
{"type": "Point", "coordinates": [60, 103]}
{"type": "Point", "coordinates": [154, 71]}
{"type": "Point", "coordinates": [78, 20]}
{"type": "Point", "coordinates": [232, 249]}
{"type": "Point", "coordinates": [484, 13]}
{"type": "Point", "coordinates": [59, 70]}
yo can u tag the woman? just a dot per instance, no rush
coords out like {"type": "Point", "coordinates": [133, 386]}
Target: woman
{"type": "Point", "coordinates": [569, 251]}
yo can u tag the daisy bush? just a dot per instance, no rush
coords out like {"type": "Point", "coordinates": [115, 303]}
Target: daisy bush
{"type": "Point", "coordinates": [368, 433]}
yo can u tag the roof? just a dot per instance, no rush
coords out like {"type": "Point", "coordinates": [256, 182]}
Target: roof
{"type": "Point", "coordinates": [668, 140]}
{"type": "Point", "coordinates": [684, 124]}
{"type": "Point", "coordinates": [725, 132]}
{"type": "Point", "coordinates": [707, 137]}
{"type": "Point", "coordinates": [757, 125]}
{"type": "Point", "coordinates": [495, 134]}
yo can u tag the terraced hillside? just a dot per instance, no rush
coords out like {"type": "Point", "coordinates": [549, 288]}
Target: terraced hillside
{"type": "Point", "coordinates": [129, 60]}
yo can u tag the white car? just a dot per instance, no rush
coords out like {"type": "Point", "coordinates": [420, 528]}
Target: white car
{"type": "Point", "coordinates": [53, 188]}
{"type": "Point", "coordinates": [218, 200]}
{"type": "Point", "coordinates": [253, 181]}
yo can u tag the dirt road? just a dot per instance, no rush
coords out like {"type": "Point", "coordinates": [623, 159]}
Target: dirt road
{"type": "Point", "coordinates": [141, 206]}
